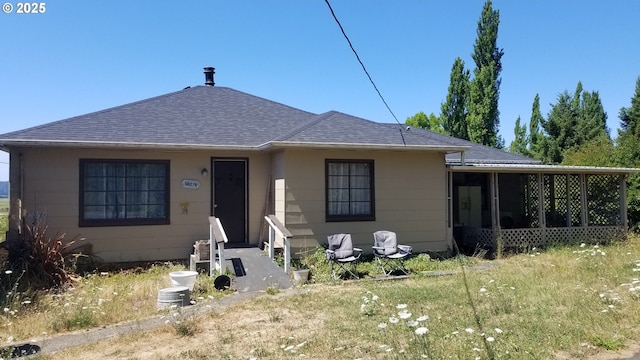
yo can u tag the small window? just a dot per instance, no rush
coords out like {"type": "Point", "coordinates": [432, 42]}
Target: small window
{"type": "Point", "coordinates": [349, 185]}
{"type": "Point", "coordinates": [124, 192]}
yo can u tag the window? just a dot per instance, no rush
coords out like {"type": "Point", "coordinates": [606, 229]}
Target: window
{"type": "Point", "coordinates": [349, 193]}
{"type": "Point", "coordinates": [124, 192]}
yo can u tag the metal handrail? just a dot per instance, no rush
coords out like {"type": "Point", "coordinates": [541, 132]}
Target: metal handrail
{"type": "Point", "coordinates": [276, 228]}
{"type": "Point", "coordinates": [218, 237]}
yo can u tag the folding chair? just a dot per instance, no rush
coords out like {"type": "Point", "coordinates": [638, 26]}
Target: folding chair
{"type": "Point", "coordinates": [342, 253]}
{"type": "Point", "coordinates": [389, 255]}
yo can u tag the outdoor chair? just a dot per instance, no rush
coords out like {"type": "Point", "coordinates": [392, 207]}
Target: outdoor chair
{"type": "Point", "coordinates": [389, 255]}
{"type": "Point", "coordinates": [342, 253]}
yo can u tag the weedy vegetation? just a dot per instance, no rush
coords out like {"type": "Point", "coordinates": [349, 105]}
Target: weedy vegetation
{"type": "Point", "coordinates": [564, 302]}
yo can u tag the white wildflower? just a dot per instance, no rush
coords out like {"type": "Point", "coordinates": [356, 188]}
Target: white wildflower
{"type": "Point", "coordinates": [423, 318]}
{"type": "Point", "coordinates": [491, 339]}
{"type": "Point", "coordinates": [404, 314]}
{"type": "Point", "coordinates": [412, 323]}
{"type": "Point", "coordinates": [469, 330]}
{"type": "Point", "coordinates": [498, 331]}
{"type": "Point", "coordinates": [394, 320]}
{"type": "Point", "coordinates": [382, 325]}
{"type": "Point", "coordinates": [421, 330]}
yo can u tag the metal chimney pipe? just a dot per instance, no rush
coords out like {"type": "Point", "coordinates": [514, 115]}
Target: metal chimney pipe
{"type": "Point", "coordinates": [208, 75]}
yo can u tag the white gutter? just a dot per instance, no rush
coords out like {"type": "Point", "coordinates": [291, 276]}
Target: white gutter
{"type": "Point", "coordinates": [263, 147]}
{"type": "Point", "coordinates": [561, 169]}
{"type": "Point", "coordinates": [121, 145]}
{"type": "Point", "coordinates": [322, 145]}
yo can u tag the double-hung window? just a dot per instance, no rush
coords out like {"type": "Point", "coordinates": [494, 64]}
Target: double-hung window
{"type": "Point", "coordinates": [349, 190]}
{"type": "Point", "coordinates": [124, 192]}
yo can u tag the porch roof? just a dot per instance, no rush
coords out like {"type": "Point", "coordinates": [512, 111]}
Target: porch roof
{"type": "Point", "coordinates": [539, 168]}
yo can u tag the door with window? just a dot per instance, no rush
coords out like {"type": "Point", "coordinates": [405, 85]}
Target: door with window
{"type": "Point", "coordinates": [230, 197]}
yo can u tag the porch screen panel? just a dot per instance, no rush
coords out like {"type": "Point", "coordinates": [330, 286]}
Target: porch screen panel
{"type": "Point", "coordinates": [532, 201]}
{"type": "Point", "coordinates": [124, 192]}
{"type": "Point", "coordinates": [555, 200]}
{"type": "Point", "coordinates": [603, 199]}
{"type": "Point", "coordinates": [349, 190]}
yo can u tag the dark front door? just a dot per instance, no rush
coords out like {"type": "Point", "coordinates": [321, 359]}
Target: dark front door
{"type": "Point", "coordinates": [230, 197]}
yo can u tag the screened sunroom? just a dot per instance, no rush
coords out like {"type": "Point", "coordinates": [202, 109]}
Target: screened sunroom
{"type": "Point", "coordinates": [535, 205]}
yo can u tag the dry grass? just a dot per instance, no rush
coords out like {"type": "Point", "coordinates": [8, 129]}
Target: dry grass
{"type": "Point", "coordinates": [571, 303]}
{"type": "Point", "coordinates": [95, 300]}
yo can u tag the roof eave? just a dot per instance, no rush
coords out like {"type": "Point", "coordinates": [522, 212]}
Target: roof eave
{"type": "Point", "coordinates": [533, 168]}
{"type": "Point", "coordinates": [361, 146]}
{"type": "Point", "coordinates": [119, 145]}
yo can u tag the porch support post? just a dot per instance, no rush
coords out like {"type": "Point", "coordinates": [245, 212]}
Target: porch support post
{"type": "Point", "coordinates": [495, 210]}
{"type": "Point", "coordinates": [583, 199]}
{"type": "Point", "coordinates": [623, 203]}
{"type": "Point", "coordinates": [450, 208]}
{"type": "Point", "coordinates": [543, 221]}
{"type": "Point", "coordinates": [569, 200]}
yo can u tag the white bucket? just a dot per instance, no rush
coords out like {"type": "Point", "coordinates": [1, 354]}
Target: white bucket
{"type": "Point", "coordinates": [183, 278]}
{"type": "Point", "coordinates": [177, 296]}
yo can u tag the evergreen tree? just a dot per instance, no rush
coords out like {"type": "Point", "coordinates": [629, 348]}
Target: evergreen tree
{"type": "Point", "coordinates": [572, 122]}
{"type": "Point", "coordinates": [424, 121]}
{"type": "Point", "coordinates": [535, 135]}
{"type": "Point", "coordinates": [483, 116]}
{"type": "Point", "coordinates": [630, 117]}
{"type": "Point", "coordinates": [519, 143]}
{"type": "Point", "coordinates": [453, 116]}
{"type": "Point", "coordinates": [628, 154]}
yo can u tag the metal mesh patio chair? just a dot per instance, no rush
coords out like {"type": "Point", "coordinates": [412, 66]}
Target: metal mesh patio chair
{"type": "Point", "coordinates": [342, 253]}
{"type": "Point", "coordinates": [389, 255]}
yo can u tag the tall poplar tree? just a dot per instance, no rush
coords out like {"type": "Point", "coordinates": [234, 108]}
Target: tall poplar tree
{"type": "Point", "coordinates": [519, 143]}
{"type": "Point", "coordinates": [453, 116]}
{"type": "Point", "coordinates": [483, 117]}
{"type": "Point", "coordinates": [535, 134]}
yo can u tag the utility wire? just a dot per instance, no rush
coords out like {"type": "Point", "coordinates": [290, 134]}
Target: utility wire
{"type": "Point", "coordinates": [363, 67]}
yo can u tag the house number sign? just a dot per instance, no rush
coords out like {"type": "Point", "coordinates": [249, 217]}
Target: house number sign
{"type": "Point", "coordinates": [190, 184]}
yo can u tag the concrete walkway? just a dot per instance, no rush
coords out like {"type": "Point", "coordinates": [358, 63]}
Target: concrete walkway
{"type": "Point", "coordinates": [255, 271]}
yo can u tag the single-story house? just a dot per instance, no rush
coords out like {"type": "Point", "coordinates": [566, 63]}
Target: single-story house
{"type": "Point", "coordinates": [140, 180]}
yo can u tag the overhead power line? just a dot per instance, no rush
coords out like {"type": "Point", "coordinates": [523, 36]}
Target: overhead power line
{"type": "Point", "coordinates": [362, 64]}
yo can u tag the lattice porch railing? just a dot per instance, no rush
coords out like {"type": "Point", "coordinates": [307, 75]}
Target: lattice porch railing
{"type": "Point", "coordinates": [530, 237]}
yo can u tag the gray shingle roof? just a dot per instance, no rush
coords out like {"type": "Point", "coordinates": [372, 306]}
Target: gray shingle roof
{"type": "Point", "coordinates": [211, 116]}
{"type": "Point", "coordinates": [476, 154]}
{"type": "Point", "coordinates": [201, 115]}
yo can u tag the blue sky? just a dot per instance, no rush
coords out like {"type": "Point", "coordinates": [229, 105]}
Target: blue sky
{"type": "Point", "coordinates": [84, 56]}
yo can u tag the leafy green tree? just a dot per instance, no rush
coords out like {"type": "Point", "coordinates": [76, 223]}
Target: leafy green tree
{"type": "Point", "coordinates": [599, 151]}
{"type": "Point", "coordinates": [535, 134]}
{"type": "Point", "coordinates": [453, 116]}
{"type": "Point", "coordinates": [483, 116]}
{"type": "Point", "coordinates": [572, 122]}
{"type": "Point", "coordinates": [424, 121]}
{"type": "Point", "coordinates": [519, 143]}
